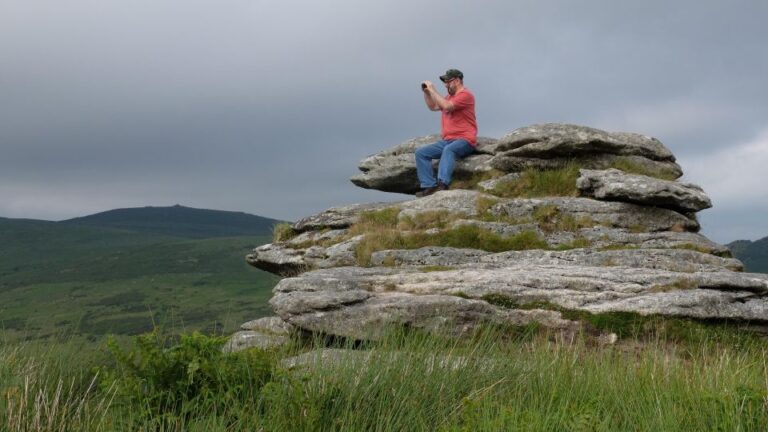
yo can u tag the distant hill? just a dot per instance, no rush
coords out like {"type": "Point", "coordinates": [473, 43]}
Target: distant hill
{"type": "Point", "coordinates": [754, 254]}
{"type": "Point", "coordinates": [179, 221]}
{"type": "Point", "coordinates": [75, 279]}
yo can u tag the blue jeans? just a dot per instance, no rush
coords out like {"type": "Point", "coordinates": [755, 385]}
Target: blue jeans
{"type": "Point", "coordinates": [445, 150]}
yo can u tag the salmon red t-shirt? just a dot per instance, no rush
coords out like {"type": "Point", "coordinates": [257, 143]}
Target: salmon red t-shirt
{"type": "Point", "coordinates": [461, 122]}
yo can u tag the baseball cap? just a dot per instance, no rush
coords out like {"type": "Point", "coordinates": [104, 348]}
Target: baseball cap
{"type": "Point", "coordinates": [451, 74]}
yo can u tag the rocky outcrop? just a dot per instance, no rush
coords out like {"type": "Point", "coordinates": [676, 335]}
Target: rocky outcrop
{"type": "Point", "coordinates": [554, 139]}
{"type": "Point", "coordinates": [613, 214]}
{"type": "Point", "coordinates": [358, 311]}
{"type": "Point", "coordinates": [539, 147]}
{"type": "Point", "coordinates": [357, 302]}
{"type": "Point", "coordinates": [462, 258]}
{"type": "Point", "coordinates": [616, 185]}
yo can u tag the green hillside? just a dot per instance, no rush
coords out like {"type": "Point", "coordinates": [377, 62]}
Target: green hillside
{"type": "Point", "coordinates": [754, 254]}
{"type": "Point", "coordinates": [83, 280]}
{"type": "Point", "coordinates": [179, 221]}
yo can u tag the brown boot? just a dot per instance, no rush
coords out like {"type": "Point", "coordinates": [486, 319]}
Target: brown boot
{"type": "Point", "coordinates": [426, 192]}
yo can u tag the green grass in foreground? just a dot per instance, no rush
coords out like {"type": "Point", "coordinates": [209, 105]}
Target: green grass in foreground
{"type": "Point", "coordinates": [409, 381]}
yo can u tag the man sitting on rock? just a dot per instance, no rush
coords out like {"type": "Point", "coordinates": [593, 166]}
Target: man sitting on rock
{"type": "Point", "coordinates": [459, 132]}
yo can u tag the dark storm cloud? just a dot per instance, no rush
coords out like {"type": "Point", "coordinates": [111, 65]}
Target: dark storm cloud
{"type": "Point", "coordinates": [267, 107]}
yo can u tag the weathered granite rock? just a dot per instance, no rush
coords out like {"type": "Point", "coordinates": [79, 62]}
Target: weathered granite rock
{"type": "Point", "coordinates": [615, 185]}
{"type": "Point", "coordinates": [635, 248]}
{"type": "Point", "coordinates": [550, 140]}
{"type": "Point", "coordinates": [394, 170]}
{"type": "Point", "coordinates": [509, 161]}
{"type": "Point", "coordinates": [269, 325]}
{"type": "Point", "coordinates": [427, 256]}
{"type": "Point", "coordinates": [355, 302]}
{"type": "Point", "coordinates": [607, 237]}
{"type": "Point", "coordinates": [600, 237]}
{"type": "Point", "coordinates": [457, 201]}
{"type": "Point", "coordinates": [361, 303]}
{"type": "Point", "coordinates": [283, 260]}
{"type": "Point", "coordinates": [614, 214]}
{"type": "Point", "coordinates": [337, 217]}
{"type": "Point", "coordinates": [314, 237]}
{"type": "Point", "coordinates": [502, 228]}
{"type": "Point", "coordinates": [246, 339]}
{"type": "Point", "coordinates": [545, 146]}
{"type": "Point", "coordinates": [677, 260]}
{"type": "Point", "coordinates": [490, 185]}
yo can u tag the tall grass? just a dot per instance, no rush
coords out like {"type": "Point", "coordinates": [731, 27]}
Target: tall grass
{"type": "Point", "coordinates": [488, 381]}
{"type": "Point", "coordinates": [51, 388]}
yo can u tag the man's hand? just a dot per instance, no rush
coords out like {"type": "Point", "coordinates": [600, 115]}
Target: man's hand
{"type": "Point", "coordinates": [427, 86]}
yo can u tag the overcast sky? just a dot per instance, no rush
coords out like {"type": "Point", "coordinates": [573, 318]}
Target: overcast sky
{"type": "Point", "coordinates": [267, 106]}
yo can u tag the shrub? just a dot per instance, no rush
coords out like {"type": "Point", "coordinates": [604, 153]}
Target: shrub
{"type": "Point", "coordinates": [168, 380]}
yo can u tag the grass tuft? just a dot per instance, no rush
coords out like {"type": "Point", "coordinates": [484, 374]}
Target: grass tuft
{"type": "Point", "coordinates": [464, 236]}
{"type": "Point", "coordinates": [633, 168]}
{"type": "Point", "coordinates": [426, 220]}
{"type": "Point", "coordinates": [435, 268]}
{"type": "Point", "coordinates": [282, 232]}
{"type": "Point", "coordinates": [471, 180]}
{"type": "Point", "coordinates": [541, 183]}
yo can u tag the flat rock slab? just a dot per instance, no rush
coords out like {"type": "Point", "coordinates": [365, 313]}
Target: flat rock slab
{"type": "Point", "coordinates": [394, 170]}
{"type": "Point", "coordinates": [269, 325]}
{"type": "Point", "coordinates": [556, 139]}
{"type": "Point", "coordinates": [247, 339]}
{"type": "Point", "coordinates": [358, 302]}
{"type": "Point", "coordinates": [616, 185]}
{"type": "Point", "coordinates": [614, 214]}
{"type": "Point", "coordinates": [283, 260]}
{"type": "Point", "coordinates": [337, 217]}
{"type": "Point", "coordinates": [354, 302]}
{"type": "Point", "coordinates": [606, 237]}
{"type": "Point", "coordinates": [454, 201]}
{"type": "Point", "coordinates": [677, 260]}
{"type": "Point", "coordinates": [511, 162]}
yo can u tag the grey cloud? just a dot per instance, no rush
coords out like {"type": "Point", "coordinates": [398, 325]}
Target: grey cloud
{"type": "Point", "coordinates": [266, 106]}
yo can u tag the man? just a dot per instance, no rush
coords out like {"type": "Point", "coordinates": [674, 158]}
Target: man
{"type": "Point", "coordinates": [459, 132]}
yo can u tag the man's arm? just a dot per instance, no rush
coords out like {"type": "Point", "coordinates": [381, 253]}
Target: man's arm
{"type": "Point", "coordinates": [438, 102]}
{"type": "Point", "coordinates": [430, 103]}
{"type": "Point", "coordinates": [429, 96]}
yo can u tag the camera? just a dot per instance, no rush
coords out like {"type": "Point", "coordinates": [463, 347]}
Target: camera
{"type": "Point", "coordinates": [423, 86]}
